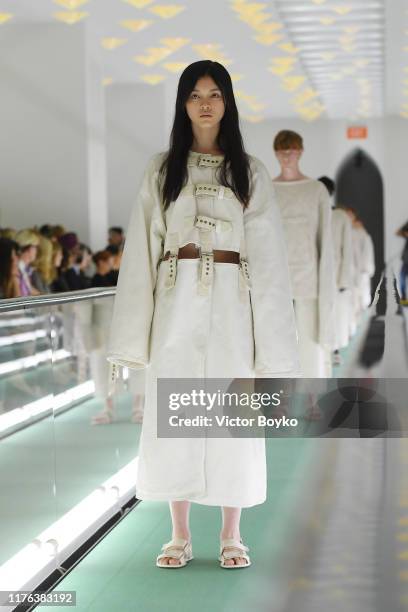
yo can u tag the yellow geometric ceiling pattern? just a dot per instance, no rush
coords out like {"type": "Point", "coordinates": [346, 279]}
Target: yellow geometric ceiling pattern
{"type": "Point", "coordinates": [278, 59]}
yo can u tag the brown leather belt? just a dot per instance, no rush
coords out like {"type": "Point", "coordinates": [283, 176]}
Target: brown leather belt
{"type": "Point", "coordinates": [190, 251]}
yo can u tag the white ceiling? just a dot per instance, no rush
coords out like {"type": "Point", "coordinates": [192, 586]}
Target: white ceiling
{"type": "Point", "coordinates": [288, 58]}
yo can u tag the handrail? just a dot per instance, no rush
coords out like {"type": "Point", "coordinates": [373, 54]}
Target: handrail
{"type": "Point", "coordinates": [51, 299]}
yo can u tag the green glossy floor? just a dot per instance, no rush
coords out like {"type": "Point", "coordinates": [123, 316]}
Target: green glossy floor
{"type": "Point", "coordinates": [120, 573]}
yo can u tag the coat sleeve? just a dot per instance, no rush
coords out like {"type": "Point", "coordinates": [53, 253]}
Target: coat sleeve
{"type": "Point", "coordinates": [276, 348]}
{"type": "Point", "coordinates": [133, 306]}
{"type": "Point", "coordinates": [327, 272]}
{"type": "Point", "coordinates": [346, 274]}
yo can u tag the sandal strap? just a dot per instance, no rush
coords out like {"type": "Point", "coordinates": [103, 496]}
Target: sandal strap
{"type": "Point", "coordinates": [238, 549]}
{"type": "Point", "coordinates": [175, 549]}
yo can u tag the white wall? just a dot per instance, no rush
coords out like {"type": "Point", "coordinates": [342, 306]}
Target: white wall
{"type": "Point", "coordinates": [43, 131]}
{"type": "Point", "coordinates": [135, 128]}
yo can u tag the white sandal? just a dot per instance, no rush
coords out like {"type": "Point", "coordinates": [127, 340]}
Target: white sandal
{"type": "Point", "coordinates": [237, 549]}
{"type": "Point", "coordinates": [177, 548]}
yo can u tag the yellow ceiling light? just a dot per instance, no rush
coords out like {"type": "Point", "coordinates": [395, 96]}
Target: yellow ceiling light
{"type": "Point", "coordinates": [327, 20]}
{"type": "Point", "coordinates": [167, 11]}
{"type": "Point", "coordinates": [135, 25]}
{"type": "Point", "coordinates": [154, 55]}
{"type": "Point", "coordinates": [257, 106]}
{"type": "Point", "coordinates": [349, 48]}
{"type": "Point", "coordinates": [70, 18]}
{"type": "Point", "coordinates": [268, 38]}
{"type": "Point", "coordinates": [346, 39]}
{"type": "Point", "coordinates": [292, 83]}
{"type": "Point", "coordinates": [152, 79]}
{"type": "Point", "coordinates": [175, 67]}
{"type": "Point", "coordinates": [250, 101]}
{"type": "Point", "coordinates": [107, 81]}
{"type": "Point", "coordinates": [404, 114]}
{"type": "Point", "coordinates": [318, 1]}
{"type": "Point", "coordinates": [335, 76]}
{"type": "Point", "coordinates": [5, 17]}
{"type": "Point", "coordinates": [235, 77]}
{"type": "Point", "coordinates": [139, 3]}
{"type": "Point", "coordinates": [254, 21]}
{"type": "Point", "coordinates": [289, 48]}
{"type": "Point", "coordinates": [175, 43]}
{"type": "Point", "coordinates": [71, 5]}
{"type": "Point", "coordinates": [352, 29]}
{"type": "Point", "coordinates": [305, 96]}
{"type": "Point", "coordinates": [327, 56]}
{"type": "Point", "coordinates": [342, 10]}
{"type": "Point", "coordinates": [252, 118]}
{"type": "Point", "coordinates": [361, 62]}
{"type": "Point", "coordinates": [311, 112]}
{"type": "Point", "coordinates": [281, 70]}
{"type": "Point", "coordinates": [284, 61]}
{"type": "Point", "coordinates": [250, 8]}
{"type": "Point", "coordinates": [113, 43]}
{"type": "Point", "coordinates": [269, 27]}
{"type": "Point", "coordinates": [212, 52]}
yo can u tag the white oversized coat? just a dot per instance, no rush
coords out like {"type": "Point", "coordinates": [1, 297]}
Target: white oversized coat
{"type": "Point", "coordinates": [187, 331]}
{"type": "Point", "coordinates": [345, 271]}
{"type": "Point", "coordinates": [306, 216]}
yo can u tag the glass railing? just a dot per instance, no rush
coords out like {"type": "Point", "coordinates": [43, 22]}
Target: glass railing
{"type": "Point", "coordinates": [67, 450]}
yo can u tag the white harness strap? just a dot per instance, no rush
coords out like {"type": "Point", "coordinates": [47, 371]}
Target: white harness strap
{"type": "Point", "coordinates": [211, 161]}
{"type": "Point", "coordinates": [218, 225]}
{"type": "Point", "coordinates": [113, 376]}
{"type": "Point", "coordinates": [206, 226]}
{"type": "Point", "coordinates": [208, 189]}
{"type": "Point", "coordinates": [173, 247]}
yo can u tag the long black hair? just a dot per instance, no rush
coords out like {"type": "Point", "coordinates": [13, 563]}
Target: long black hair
{"type": "Point", "coordinates": [7, 246]}
{"type": "Point", "coordinates": [234, 172]}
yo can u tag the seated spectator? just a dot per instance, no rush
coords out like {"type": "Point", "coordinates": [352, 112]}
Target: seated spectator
{"type": "Point", "coordinates": [104, 264]}
{"type": "Point", "coordinates": [59, 282]}
{"type": "Point", "coordinates": [71, 263]}
{"type": "Point", "coordinates": [117, 256]}
{"type": "Point", "coordinates": [116, 237]}
{"type": "Point", "coordinates": [9, 272]}
{"type": "Point", "coordinates": [8, 232]}
{"type": "Point", "coordinates": [85, 260]}
{"type": "Point", "coordinates": [28, 241]}
{"type": "Point", "coordinates": [43, 273]}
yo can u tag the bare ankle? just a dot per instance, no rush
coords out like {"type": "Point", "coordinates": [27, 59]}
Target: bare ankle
{"type": "Point", "coordinates": [230, 535]}
{"type": "Point", "coordinates": [185, 535]}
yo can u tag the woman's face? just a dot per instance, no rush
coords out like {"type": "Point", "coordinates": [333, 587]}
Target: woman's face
{"type": "Point", "coordinates": [205, 105]}
{"type": "Point", "coordinates": [289, 158]}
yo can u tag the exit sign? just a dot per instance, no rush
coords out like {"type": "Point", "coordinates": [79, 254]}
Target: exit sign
{"type": "Point", "coordinates": [357, 132]}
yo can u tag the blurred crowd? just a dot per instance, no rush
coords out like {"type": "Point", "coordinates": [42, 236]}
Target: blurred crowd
{"type": "Point", "coordinates": [51, 259]}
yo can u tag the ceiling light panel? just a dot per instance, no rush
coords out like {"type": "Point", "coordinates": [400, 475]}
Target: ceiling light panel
{"type": "Point", "coordinates": [341, 50]}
